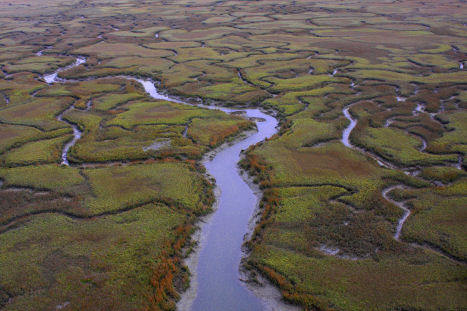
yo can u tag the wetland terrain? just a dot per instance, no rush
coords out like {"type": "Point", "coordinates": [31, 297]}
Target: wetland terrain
{"type": "Point", "coordinates": [233, 155]}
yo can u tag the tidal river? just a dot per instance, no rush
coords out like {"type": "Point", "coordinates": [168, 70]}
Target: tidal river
{"type": "Point", "coordinates": [215, 267]}
{"type": "Point", "coordinates": [217, 274]}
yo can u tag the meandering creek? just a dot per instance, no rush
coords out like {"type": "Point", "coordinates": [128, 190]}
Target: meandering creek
{"type": "Point", "coordinates": [216, 283]}
{"type": "Point", "coordinates": [411, 171]}
{"type": "Point", "coordinates": [53, 78]}
{"type": "Point", "coordinates": [401, 205]}
{"type": "Point", "coordinates": [76, 136]}
{"type": "Point", "coordinates": [346, 141]}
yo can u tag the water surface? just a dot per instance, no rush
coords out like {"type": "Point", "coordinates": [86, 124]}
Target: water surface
{"type": "Point", "coordinates": [218, 284]}
{"type": "Point", "coordinates": [346, 134]}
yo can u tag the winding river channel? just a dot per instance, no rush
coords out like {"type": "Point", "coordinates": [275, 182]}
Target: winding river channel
{"type": "Point", "coordinates": [215, 264]}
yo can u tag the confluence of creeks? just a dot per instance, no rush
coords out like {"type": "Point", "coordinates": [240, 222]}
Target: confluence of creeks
{"type": "Point", "coordinates": [216, 282]}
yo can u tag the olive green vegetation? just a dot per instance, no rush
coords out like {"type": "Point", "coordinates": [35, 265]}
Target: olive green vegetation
{"type": "Point", "coordinates": [439, 219]}
{"type": "Point", "coordinates": [124, 187]}
{"type": "Point", "coordinates": [107, 233]}
{"type": "Point", "coordinates": [40, 151]}
{"type": "Point", "coordinates": [105, 263]}
{"type": "Point", "coordinates": [37, 64]}
{"type": "Point", "coordinates": [109, 227]}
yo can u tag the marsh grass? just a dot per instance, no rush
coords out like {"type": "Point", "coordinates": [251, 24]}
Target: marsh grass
{"type": "Point", "coordinates": [107, 232]}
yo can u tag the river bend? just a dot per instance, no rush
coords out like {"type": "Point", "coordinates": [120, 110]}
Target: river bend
{"type": "Point", "coordinates": [217, 284]}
